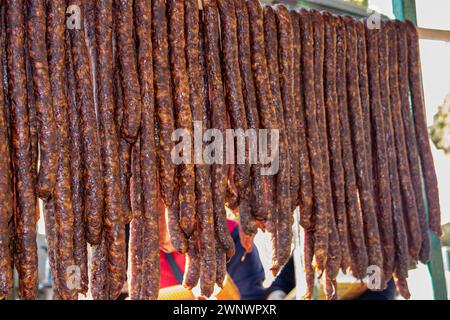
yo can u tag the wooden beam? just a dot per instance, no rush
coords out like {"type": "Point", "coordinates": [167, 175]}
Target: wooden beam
{"type": "Point", "coordinates": [434, 34]}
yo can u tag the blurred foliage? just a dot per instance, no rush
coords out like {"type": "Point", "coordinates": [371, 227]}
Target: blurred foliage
{"type": "Point", "coordinates": [440, 130]}
{"type": "Point", "coordinates": [446, 236]}
{"type": "Point", "coordinates": [363, 3]}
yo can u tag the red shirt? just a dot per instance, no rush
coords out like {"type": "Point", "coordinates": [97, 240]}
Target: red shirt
{"type": "Point", "coordinates": [167, 277]}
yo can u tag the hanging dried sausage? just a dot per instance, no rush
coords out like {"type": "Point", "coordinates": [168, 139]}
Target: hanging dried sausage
{"type": "Point", "coordinates": [364, 92]}
{"type": "Point", "coordinates": [114, 225]}
{"type": "Point", "coordinates": [57, 12]}
{"type": "Point", "coordinates": [149, 175]}
{"type": "Point", "coordinates": [6, 198]}
{"type": "Point", "coordinates": [183, 113]}
{"type": "Point", "coordinates": [286, 71]}
{"type": "Point", "coordinates": [341, 255]}
{"type": "Point", "coordinates": [359, 259]}
{"type": "Point", "coordinates": [385, 219]}
{"type": "Point", "coordinates": [92, 178]}
{"type": "Point", "coordinates": [163, 98]}
{"type": "Point", "coordinates": [131, 120]}
{"type": "Point", "coordinates": [25, 219]}
{"type": "Point", "coordinates": [218, 119]}
{"type": "Point", "coordinates": [357, 125]}
{"type": "Point", "coordinates": [61, 201]}
{"type": "Point", "coordinates": [199, 102]}
{"type": "Point", "coordinates": [305, 192]}
{"type": "Point", "coordinates": [412, 217]}
{"type": "Point", "coordinates": [282, 217]}
{"type": "Point", "coordinates": [233, 90]}
{"type": "Point", "coordinates": [415, 79]}
{"type": "Point", "coordinates": [312, 133]}
{"type": "Point", "coordinates": [36, 27]}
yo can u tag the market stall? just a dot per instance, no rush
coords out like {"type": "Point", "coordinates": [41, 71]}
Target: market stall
{"type": "Point", "coordinates": [135, 128]}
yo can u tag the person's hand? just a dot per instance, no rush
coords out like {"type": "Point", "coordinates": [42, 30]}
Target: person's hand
{"type": "Point", "coordinates": [277, 295]}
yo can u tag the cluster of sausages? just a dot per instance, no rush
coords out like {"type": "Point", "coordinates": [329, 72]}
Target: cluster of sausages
{"type": "Point", "coordinates": [92, 91]}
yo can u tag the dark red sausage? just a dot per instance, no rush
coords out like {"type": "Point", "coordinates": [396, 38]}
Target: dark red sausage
{"type": "Point", "coordinates": [192, 272]}
{"type": "Point", "coordinates": [305, 192]}
{"type": "Point", "coordinates": [50, 238]}
{"type": "Point", "coordinates": [25, 219]}
{"type": "Point", "coordinates": [163, 96]}
{"type": "Point", "coordinates": [177, 236]}
{"type": "Point", "coordinates": [385, 219]}
{"type": "Point", "coordinates": [62, 197]}
{"type": "Point", "coordinates": [136, 243]}
{"type": "Point", "coordinates": [6, 198]}
{"type": "Point", "coordinates": [92, 177]}
{"type": "Point", "coordinates": [233, 88]}
{"type": "Point", "coordinates": [114, 225]}
{"type": "Point", "coordinates": [132, 101]}
{"type": "Point", "coordinates": [259, 190]}
{"type": "Point", "coordinates": [199, 104]}
{"type": "Point", "coordinates": [282, 217]}
{"type": "Point", "coordinates": [266, 109]}
{"type": "Point", "coordinates": [124, 146]}
{"type": "Point", "coordinates": [79, 234]}
{"type": "Point", "coordinates": [312, 133]}
{"type": "Point", "coordinates": [411, 214]}
{"type": "Point", "coordinates": [415, 79]}
{"type": "Point", "coordinates": [286, 69]}
{"type": "Point", "coordinates": [99, 285]}
{"type": "Point", "coordinates": [359, 259]}
{"type": "Point", "coordinates": [364, 92]}
{"type": "Point", "coordinates": [44, 112]}
{"type": "Point", "coordinates": [218, 119]}
{"type": "Point", "coordinates": [31, 107]}
{"type": "Point", "coordinates": [149, 174]}
{"type": "Point", "coordinates": [308, 261]}
{"type": "Point", "coordinates": [360, 154]}
{"type": "Point", "coordinates": [180, 80]}
{"type": "Point", "coordinates": [339, 250]}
